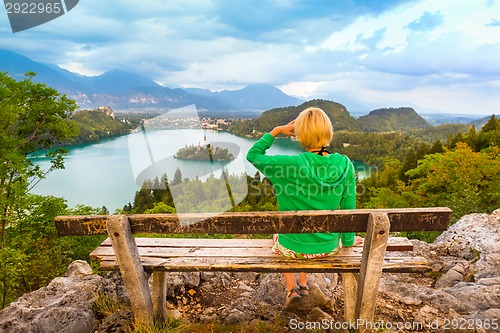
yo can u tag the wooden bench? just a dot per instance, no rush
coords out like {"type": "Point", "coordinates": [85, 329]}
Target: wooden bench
{"type": "Point", "coordinates": [361, 267]}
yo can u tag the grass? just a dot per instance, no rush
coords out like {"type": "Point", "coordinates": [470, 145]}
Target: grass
{"type": "Point", "coordinates": [169, 326]}
{"type": "Point", "coordinates": [105, 304]}
{"type": "Point", "coordinates": [176, 326]}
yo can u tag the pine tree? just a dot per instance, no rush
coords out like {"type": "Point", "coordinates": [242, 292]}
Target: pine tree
{"type": "Point", "coordinates": [471, 138]}
{"type": "Point", "coordinates": [436, 148]}
{"type": "Point", "coordinates": [177, 177]}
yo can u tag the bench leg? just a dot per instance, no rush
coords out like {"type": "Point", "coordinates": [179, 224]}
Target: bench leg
{"type": "Point", "coordinates": [160, 295]}
{"type": "Point", "coordinates": [133, 274]}
{"type": "Point", "coordinates": [350, 285]}
{"type": "Point", "coordinates": [372, 261]}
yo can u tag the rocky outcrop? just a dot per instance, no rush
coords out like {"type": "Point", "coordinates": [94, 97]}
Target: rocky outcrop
{"type": "Point", "coordinates": [463, 287]}
{"type": "Point", "coordinates": [475, 238]}
{"type": "Point", "coordinates": [64, 306]}
{"type": "Point", "coordinates": [466, 276]}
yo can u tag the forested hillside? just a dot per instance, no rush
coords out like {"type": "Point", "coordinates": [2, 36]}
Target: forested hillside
{"type": "Point", "coordinates": [381, 120]}
{"type": "Point", "coordinates": [442, 132]}
{"type": "Point", "coordinates": [339, 115]}
{"type": "Point", "coordinates": [95, 125]}
{"type": "Point", "coordinates": [392, 119]}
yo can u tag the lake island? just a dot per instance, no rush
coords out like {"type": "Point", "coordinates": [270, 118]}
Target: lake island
{"type": "Point", "coordinates": [204, 152]}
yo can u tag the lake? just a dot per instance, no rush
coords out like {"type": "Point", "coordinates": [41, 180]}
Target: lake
{"type": "Point", "coordinates": [109, 173]}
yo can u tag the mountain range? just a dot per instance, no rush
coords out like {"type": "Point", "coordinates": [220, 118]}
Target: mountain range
{"type": "Point", "coordinates": [121, 90]}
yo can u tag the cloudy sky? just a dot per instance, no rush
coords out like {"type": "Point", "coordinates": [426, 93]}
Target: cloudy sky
{"type": "Point", "coordinates": [433, 55]}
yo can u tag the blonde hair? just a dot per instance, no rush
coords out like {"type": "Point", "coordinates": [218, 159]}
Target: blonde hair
{"type": "Point", "coordinates": [313, 128]}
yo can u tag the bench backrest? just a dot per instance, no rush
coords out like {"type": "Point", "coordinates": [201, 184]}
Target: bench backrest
{"type": "Point", "coordinates": [407, 219]}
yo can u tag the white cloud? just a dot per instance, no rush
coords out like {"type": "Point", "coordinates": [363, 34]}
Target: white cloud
{"type": "Point", "coordinates": [409, 54]}
{"type": "Point", "coordinates": [301, 89]}
{"type": "Point", "coordinates": [241, 61]}
{"type": "Point", "coordinates": [450, 93]}
{"type": "Point", "coordinates": [79, 68]}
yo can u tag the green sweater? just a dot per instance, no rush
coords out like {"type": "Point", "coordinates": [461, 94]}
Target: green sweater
{"type": "Point", "coordinates": [308, 181]}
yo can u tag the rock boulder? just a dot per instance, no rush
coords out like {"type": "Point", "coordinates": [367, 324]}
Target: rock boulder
{"type": "Point", "coordinates": [64, 306]}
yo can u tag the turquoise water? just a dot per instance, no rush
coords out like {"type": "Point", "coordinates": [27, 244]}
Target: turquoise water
{"type": "Point", "coordinates": [110, 172]}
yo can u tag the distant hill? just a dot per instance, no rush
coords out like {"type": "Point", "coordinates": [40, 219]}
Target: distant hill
{"type": "Point", "coordinates": [440, 132]}
{"type": "Point", "coordinates": [480, 122]}
{"type": "Point", "coordinates": [259, 97]}
{"type": "Point", "coordinates": [436, 119]}
{"type": "Point", "coordinates": [116, 82]}
{"type": "Point", "coordinates": [16, 65]}
{"type": "Point", "coordinates": [392, 119]}
{"type": "Point", "coordinates": [338, 114]}
{"type": "Point", "coordinates": [122, 90]}
{"type": "Point", "coordinates": [382, 120]}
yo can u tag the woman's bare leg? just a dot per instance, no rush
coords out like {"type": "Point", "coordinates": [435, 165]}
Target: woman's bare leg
{"type": "Point", "coordinates": [302, 279]}
{"type": "Point", "coordinates": [290, 283]}
{"type": "Point", "coordinates": [291, 291]}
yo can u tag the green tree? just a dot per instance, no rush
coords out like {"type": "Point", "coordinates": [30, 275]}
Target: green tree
{"type": "Point", "coordinates": [436, 148]}
{"type": "Point", "coordinates": [471, 138]}
{"type": "Point", "coordinates": [34, 254]}
{"type": "Point", "coordinates": [464, 180]}
{"type": "Point", "coordinates": [384, 197]}
{"type": "Point", "coordinates": [34, 118]}
{"type": "Point", "coordinates": [159, 208]}
{"type": "Point", "coordinates": [143, 199]}
{"type": "Point", "coordinates": [492, 124]}
{"type": "Point", "coordinates": [177, 177]}
{"type": "Point", "coordinates": [409, 163]}
{"type": "Point", "coordinates": [12, 270]}
{"type": "Point", "coordinates": [490, 134]}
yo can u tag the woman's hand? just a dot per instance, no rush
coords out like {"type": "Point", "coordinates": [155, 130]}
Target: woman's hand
{"type": "Point", "coordinates": [287, 129]}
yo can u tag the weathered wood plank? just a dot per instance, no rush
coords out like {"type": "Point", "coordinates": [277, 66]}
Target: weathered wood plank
{"type": "Point", "coordinates": [159, 295]}
{"type": "Point", "coordinates": [175, 247]}
{"type": "Point", "coordinates": [372, 264]}
{"type": "Point", "coordinates": [272, 265]}
{"type": "Point", "coordinates": [408, 219]}
{"type": "Point", "coordinates": [394, 243]}
{"type": "Point", "coordinates": [223, 252]}
{"type": "Point", "coordinates": [350, 285]}
{"type": "Point", "coordinates": [130, 266]}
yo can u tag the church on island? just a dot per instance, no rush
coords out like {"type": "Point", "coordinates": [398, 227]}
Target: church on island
{"type": "Point", "coordinates": [204, 152]}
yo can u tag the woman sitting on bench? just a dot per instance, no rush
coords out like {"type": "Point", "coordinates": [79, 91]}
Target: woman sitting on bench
{"type": "Point", "coordinates": [313, 180]}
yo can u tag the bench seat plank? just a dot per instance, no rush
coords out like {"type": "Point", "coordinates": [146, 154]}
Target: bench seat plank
{"type": "Point", "coordinates": [271, 264]}
{"type": "Point", "coordinates": [394, 244]}
{"type": "Point", "coordinates": [242, 254]}
{"type": "Point", "coordinates": [192, 247]}
{"type": "Point", "coordinates": [213, 251]}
